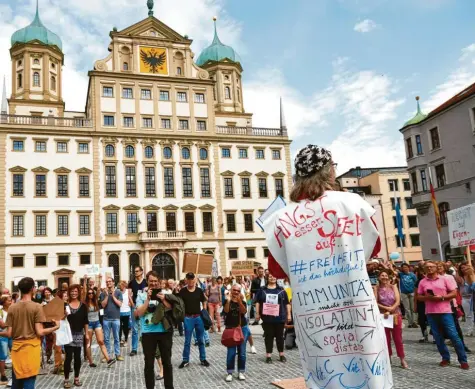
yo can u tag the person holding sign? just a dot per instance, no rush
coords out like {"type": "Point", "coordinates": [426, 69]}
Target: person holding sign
{"type": "Point", "coordinates": [322, 241]}
{"type": "Point", "coordinates": [272, 304]}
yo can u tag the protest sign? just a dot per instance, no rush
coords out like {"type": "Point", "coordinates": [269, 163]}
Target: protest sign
{"type": "Point", "coordinates": [242, 268]}
{"type": "Point", "coordinates": [323, 246]}
{"type": "Point", "coordinates": [92, 270]}
{"type": "Point", "coordinates": [462, 226]}
{"type": "Point", "coordinates": [277, 204]}
{"type": "Point", "coordinates": [198, 263]}
{"type": "Point", "coordinates": [54, 310]}
{"type": "Point", "coordinates": [294, 383]}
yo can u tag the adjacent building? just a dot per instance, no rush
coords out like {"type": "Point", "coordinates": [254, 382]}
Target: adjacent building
{"type": "Point", "coordinates": [164, 159]}
{"type": "Point", "coordinates": [441, 145]}
{"type": "Point", "coordinates": [382, 187]}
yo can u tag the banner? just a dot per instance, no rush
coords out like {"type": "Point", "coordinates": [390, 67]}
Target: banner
{"type": "Point", "coordinates": [462, 226]}
{"type": "Point", "coordinates": [242, 268]}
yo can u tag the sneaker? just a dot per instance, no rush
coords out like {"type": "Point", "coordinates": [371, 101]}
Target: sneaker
{"type": "Point", "coordinates": [464, 366]}
{"type": "Point", "coordinates": [110, 362]}
{"type": "Point", "coordinates": [229, 378]}
{"type": "Point", "coordinates": [92, 365]}
{"type": "Point", "coordinates": [444, 363]}
{"type": "Point", "coordinates": [159, 378]}
{"type": "Point", "coordinates": [268, 360]}
{"type": "Point", "coordinates": [283, 359]}
{"type": "Point", "coordinates": [184, 364]}
{"type": "Point", "coordinates": [205, 363]}
{"type": "Point", "coordinates": [133, 353]}
{"type": "Point", "coordinates": [253, 350]}
{"type": "Point", "coordinates": [10, 383]}
{"type": "Point", "coordinates": [207, 344]}
{"type": "Point", "coordinates": [120, 358]}
{"type": "Point", "coordinates": [242, 377]}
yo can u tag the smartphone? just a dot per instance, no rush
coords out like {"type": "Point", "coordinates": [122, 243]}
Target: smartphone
{"type": "Point", "coordinates": [155, 292]}
{"type": "Point", "coordinates": [430, 292]}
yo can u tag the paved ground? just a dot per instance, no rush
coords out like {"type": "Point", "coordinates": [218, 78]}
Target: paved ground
{"type": "Point", "coordinates": [423, 359]}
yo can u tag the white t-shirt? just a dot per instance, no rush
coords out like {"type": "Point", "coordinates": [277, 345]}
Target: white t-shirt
{"type": "Point", "coordinates": [3, 316]}
{"type": "Point", "coordinates": [125, 307]}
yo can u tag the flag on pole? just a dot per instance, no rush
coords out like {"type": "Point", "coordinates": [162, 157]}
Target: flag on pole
{"type": "Point", "coordinates": [436, 206]}
{"type": "Point", "coordinates": [399, 220]}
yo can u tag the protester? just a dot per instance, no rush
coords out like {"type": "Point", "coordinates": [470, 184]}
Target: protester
{"type": "Point", "coordinates": [5, 343]}
{"type": "Point", "coordinates": [193, 297]}
{"type": "Point", "coordinates": [127, 302]}
{"type": "Point", "coordinates": [213, 293]}
{"type": "Point", "coordinates": [408, 282]}
{"type": "Point", "coordinates": [111, 301]}
{"type": "Point", "coordinates": [135, 286]}
{"type": "Point", "coordinates": [372, 267]}
{"type": "Point", "coordinates": [467, 286]}
{"type": "Point", "coordinates": [25, 326]}
{"type": "Point", "coordinates": [273, 325]}
{"type": "Point", "coordinates": [420, 306]}
{"type": "Point", "coordinates": [437, 292]}
{"type": "Point", "coordinates": [235, 311]}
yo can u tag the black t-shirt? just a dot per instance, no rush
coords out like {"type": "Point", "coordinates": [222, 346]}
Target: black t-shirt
{"type": "Point", "coordinates": [232, 317]}
{"type": "Point", "coordinates": [135, 286]}
{"type": "Point", "coordinates": [192, 300]}
{"type": "Point", "coordinates": [78, 318]}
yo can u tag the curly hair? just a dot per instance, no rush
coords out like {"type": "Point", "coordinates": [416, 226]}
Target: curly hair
{"type": "Point", "coordinates": [313, 187]}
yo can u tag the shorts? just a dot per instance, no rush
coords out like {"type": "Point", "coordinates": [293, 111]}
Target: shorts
{"type": "Point", "coordinates": [5, 345]}
{"type": "Point", "coordinates": [94, 325]}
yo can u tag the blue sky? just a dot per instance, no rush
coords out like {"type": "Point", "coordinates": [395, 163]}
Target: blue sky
{"type": "Point", "coordinates": [348, 70]}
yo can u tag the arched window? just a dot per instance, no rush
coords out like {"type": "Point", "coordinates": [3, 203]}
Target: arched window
{"type": "Point", "coordinates": [36, 79]}
{"type": "Point", "coordinates": [203, 154]}
{"type": "Point", "coordinates": [185, 153]}
{"type": "Point", "coordinates": [36, 61]}
{"type": "Point", "coordinates": [149, 152]}
{"type": "Point", "coordinates": [20, 80]}
{"type": "Point", "coordinates": [114, 262]}
{"type": "Point", "coordinates": [53, 83]}
{"type": "Point", "coordinates": [134, 261]}
{"type": "Point", "coordinates": [110, 150]}
{"type": "Point", "coordinates": [443, 209]}
{"type": "Point", "coordinates": [129, 151]}
{"type": "Point", "coordinates": [227, 93]}
{"type": "Point", "coordinates": [125, 66]}
{"type": "Point", "coordinates": [167, 153]}
{"type": "Point", "coordinates": [178, 71]}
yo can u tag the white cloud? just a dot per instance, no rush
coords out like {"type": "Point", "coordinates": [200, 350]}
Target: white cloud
{"type": "Point", "coordinates": [366, 25]}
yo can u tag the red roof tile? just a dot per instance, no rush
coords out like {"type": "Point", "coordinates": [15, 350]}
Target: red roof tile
{"type": "Point", "coordinates": [467, 92]}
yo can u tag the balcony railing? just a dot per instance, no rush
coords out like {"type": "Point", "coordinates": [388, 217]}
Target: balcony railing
{"type": "Point", "coordinates": [250, 131]}
{"type": "Point", "coordinates": [156, 236]}
{"type": "Point", "coordinates": [50, 121]}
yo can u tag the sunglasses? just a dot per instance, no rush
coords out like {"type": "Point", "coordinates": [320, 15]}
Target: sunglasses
{"type": "Point", "coordinates": [90, 293]}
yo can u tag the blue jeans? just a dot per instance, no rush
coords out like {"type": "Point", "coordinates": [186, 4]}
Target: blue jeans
{"type": "Point", "coordinates": [241, 353]}
{"type": "Point", "coordinates": [205, 337]}
{"type": "Point", "coordinates": [194, 323]}
{"type": "Point", "coordinates": [25, 383]}
{"type": "Point", "coordinates": [443, 323]}
{"type": "Point", "coordinates": [115, 326]}
{"type": "Point", "coordinates": [135, 330]}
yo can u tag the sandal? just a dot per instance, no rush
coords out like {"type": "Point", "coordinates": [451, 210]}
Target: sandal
{"type": "Point", "coordinates": [77, 382]}
{"type": "Point", "coordinates": [67, 384]}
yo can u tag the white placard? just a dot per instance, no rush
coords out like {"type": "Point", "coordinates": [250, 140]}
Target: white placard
{"type": "Point", "coordinates": [92, 270]}
{"type": "Point", "coordinates": [277, 204]}
{"type": "Point", "coordinates": [462, 226]}
{"type": "Point", "coordinates": [389, 322]}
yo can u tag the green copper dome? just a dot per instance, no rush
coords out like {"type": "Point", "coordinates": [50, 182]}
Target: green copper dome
{"type": "Point", "coordinates": [217, 51]}
{"type": "Point", "coordinates": [37, 31]}
{"type": "Point", "coordinates": [419, 115]}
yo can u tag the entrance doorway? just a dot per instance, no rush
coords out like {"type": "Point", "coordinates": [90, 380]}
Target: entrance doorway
{"type": "Point", "coordinates": [62, 280]}
{"type": "Point", "coordinates": [164, 265]}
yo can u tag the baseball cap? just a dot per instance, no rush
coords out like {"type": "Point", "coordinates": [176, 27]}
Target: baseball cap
{"type": "Point", "coordinates": [190, 276]}
{"type": "Point", "coordinates": [373, 261]}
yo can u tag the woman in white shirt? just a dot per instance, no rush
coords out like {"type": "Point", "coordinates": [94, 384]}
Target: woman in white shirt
{"type": "Point", "coordinates": [125, 312]}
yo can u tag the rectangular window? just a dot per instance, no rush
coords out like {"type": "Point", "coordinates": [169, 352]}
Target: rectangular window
{"type": "Point", "coordinates": [393, 202]}
{"type": "Point", "coordinates": [410, 152]}
{"type": "Point", "coordinates": [393, 185]}
{"type": "Point", "coordinates": [85, 259]}
{"type": "Point", "coordinates": [412, 221]}
{"type": "Point", "coordinates": [17, 261]}
{"type": "Point", "coordinates": [226, 152]}
{"type": "Point", "coordinates": [18, 185]}
{"type": "Point", "coordinates": [242, 153]}
{"type": "Point", "coordinates": [166, 123]}
{"type": "Point", "coordinates": [395, 221]}
{"type": "Point", "coordinates": [246, 187]}
{"type": "Point", "coordinates": [111, 190]}
{"type": "Point", "coordinates": [187, 182]}
{"type": "Point", "coordinates": [398, 242]}
{"type": "Point", "coordinates": [83, 148]}
{"type": "Point", "coordinates": [232, 253]}
{"type": "Point", "coordinates": [169, 182]}
{"type": "Point", "coordinates": [251, 253]}
{"type": "Point", "coordinates": [146, 94]}
{"type": "Point", "coordinates": [415, 187]}
{"type": "Point", "coordinates": [63, 260]}
{"type": "Point", "coordinates": [18, 225]}
{"type": "Point", "coordinates": [262, 187]}
{"type": "Point", "coordinates": [109, 121]}
{"type": "Point", "coordinates": [40, 260]}
{"type": "Point", "coordinates": [260, 154]}
{"type": "Point", "coordinates": [434, 138]}
{"type": "Point", "coordinates": [128, 121]}
{"type": "Point", "coordinates": [228, 187]}
{"type": "Point", "coordinates": [406, 185]}
{"type": "Point", "coordinates": [205, 182]}
{"type": "Point", "coordinates": [164, 95]}
{"type": "Point", "coordinates": [183, 124]}
{"type": "Point", "coordinates": [266, 252]}
{"type": "Point", "coordinates": [248, 222]}
{"type": "Point", "coordinates": [424, 180]}
{"type": "Point", "coordinates": [409, 204]}
{"type": "Point", "coordinates": [170, 220]}
{"type": "Point", "coordinates": [152, 224]}
{"type": "Point", "coordinates": [62, 147]}
{"type": "Point", "coordinates": [40, 225]}
{"type": "Point", "coordinates": [63, 224]}
{"type": "Point", "coordinates": [201, 125]}
{"type": "Point", "coordinates": [279, 187]}
{"type": "Point", "coordinates": [275, 154]}
{"type": "Point", "coordinates": [40, 146]}
{"type": "Point", "coordinates": [40, 185]}
{"type": "Point", "coordinates": [181, 97]}
{"type": "Point", "coordinates": [189, 221]}
{"type": "Point", "coordinates": [207, 222]}
{"type": "Point", "coordinates": [147, 122]}
{"type": "Point", "coordinates": [415, 240]}
{"type": "Point", "coordinates": [199, 97]}
{"type": "Point", "coordinates": [107, 91]}
{"type": "Point", "coordinates": [131, 223]}
{"type": "Point", "coordinates": [418, 145]}
{"type": "Point", "coordinates": [440, 175]}
{"type": "Point", "coordinates": [150, 189]}
{"type": "Point", "coordinates": [62, 185]}
{"type": "Point", "coordinates": [84, 225]}
{"type": "Point", "coordinates": [111, 223]}
{"type": "Point", "coordinates": [83, 186]}
{"type": "Point", "coordinates": [18, 145]}
{"type": "Point", "coordinates": [127, 93]}
{"type": "Point", "coordinates": [231, 222]}
{"type": "Point", "coordinates": [130, 182]}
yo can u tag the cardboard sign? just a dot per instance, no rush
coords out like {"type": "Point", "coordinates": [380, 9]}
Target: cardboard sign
{"type": "Point", "coordinates": [54, 310]}
{"type": "Point", "coordinates": [198, 264]}
{"type": "Point", "coordinates": [462, 226]}
{"type": "Point", "coordinates": [92, 270]}
{"type": "Point", "coordinates": [294, 383]}
{"type": "Point", "coordinates": [242, 268]}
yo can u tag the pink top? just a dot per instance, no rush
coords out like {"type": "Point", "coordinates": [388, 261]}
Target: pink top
{"type": "Point", "coordinates": [441, 286]}
{"type": "Point", "coordinates": [387, 297]}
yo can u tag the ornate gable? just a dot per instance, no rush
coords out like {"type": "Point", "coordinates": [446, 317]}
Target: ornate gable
{"type": "Point", "coordinates": [278, 175]}
{"type": "Point", "coordinates": [84, 170]}
{"type": "Point", "coordinates": [111, 208]}
{"type": "Point", "coordinates": [40, 169]}
{"type": "Point", "coordinates": [151, 207]}
{"type": "Point", "coordinates": [206, 207]}
{"type": "Point", "coordinates": [245, 173]}
{"type": "Point", "coordinates": [152, 29]}
{"type": "Point", "coordinates": [170, 207]}
{"type": "Point", "coordinates": [188, 207]}
{"type": "Point", "coordinates": [62, 169]}
{"type": "Point", "coordinates": [262, 174]}
{"type": "Point", "coordinates": [18, 169]}
{"type": "Point", "coordinates": [131, 207]}
{"type": "Point", "coordinates": [227, 173]}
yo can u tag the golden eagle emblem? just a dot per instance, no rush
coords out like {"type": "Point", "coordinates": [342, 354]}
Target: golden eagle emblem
{"type": "Point", "coordinates": [153, 60]}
